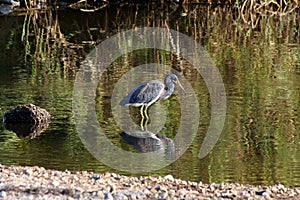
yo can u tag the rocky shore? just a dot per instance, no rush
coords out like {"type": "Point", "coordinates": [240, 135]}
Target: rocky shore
{"type": "Point", "coordinates": [18, 182]}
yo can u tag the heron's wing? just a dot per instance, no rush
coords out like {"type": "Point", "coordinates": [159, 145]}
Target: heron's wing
{"type": "Point", "coordinates": [144, 94]}
{"type": "Point", "coordinates": [147, 93]}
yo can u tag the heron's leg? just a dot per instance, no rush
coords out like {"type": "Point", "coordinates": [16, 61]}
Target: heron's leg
{"type": "Point", "coordinates": [142, 124]}
{"type": "Point", "coordinates": [147, 117]}
{"type": "Point", "coordinates": [141, 111]}
{"type": "Point", "coordinates": [142, 120]}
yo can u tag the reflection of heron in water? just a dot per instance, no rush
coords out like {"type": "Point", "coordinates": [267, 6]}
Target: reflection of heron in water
{"type": "Point", "coordinates": [148, 93]}
{"type": "Point", "coordinates": [145, 141]}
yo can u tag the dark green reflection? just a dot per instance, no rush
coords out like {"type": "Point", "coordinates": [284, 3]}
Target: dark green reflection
{"type": "Point", "coordinates": [259, 63]}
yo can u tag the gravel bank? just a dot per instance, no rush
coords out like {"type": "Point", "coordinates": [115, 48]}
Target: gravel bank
{"type": "Point", "coordinates": [38, 183]}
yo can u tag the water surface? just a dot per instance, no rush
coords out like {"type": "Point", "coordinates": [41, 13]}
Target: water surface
{"type": "Point", "coordinates": [41, 53]}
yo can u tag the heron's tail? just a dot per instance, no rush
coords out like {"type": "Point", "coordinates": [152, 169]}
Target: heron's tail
{"type": "Point", "coordinates": [124, 101]}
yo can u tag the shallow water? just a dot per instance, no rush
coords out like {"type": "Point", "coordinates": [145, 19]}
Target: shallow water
{"type": "Point", "coordinates": [259, 65]}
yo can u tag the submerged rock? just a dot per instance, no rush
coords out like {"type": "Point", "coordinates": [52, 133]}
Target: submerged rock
{"type": "Point", "coordinates": [27, 121]}
{"type": "Point", "coordinates": [27, 130]}
{"type": "Point", "coordinates": [30, 114]}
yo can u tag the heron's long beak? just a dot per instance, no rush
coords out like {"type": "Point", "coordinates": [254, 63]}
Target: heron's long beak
{"type": "Point", "coordinates": [184, 92]}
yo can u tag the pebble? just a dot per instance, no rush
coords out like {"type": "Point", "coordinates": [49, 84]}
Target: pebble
{"type": "Point", "coordinates": [163, 195]}
{"type": "Point", "coordinates": [120, 196]}
{"type": "Point", "coordinates": [2, 194]}
{"type": "Point", "coordinates": [55, 183]}
{"type": "Point", "coordinates": [96, 176]}
{"type": "Point", "coordinates": [38, 183]}
{"type": "Point", "coordinates": [146, 191]}
{"type": "Point", "coordinates": [169, 177]}
{"type": "Point", "coordinates": [266, 195]}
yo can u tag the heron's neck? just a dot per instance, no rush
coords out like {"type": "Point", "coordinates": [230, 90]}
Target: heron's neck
{"type": "Point", "coordinates": [169, 88]}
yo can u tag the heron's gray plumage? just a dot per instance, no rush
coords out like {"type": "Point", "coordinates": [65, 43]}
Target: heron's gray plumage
{"type": "Point", "coordinates": [144, 94]}
{"type": "Point", "coordinates": [150, 92]}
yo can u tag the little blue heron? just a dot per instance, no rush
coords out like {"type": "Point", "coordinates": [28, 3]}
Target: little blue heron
{"type": "Point", "coordinates": [148, 93]}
